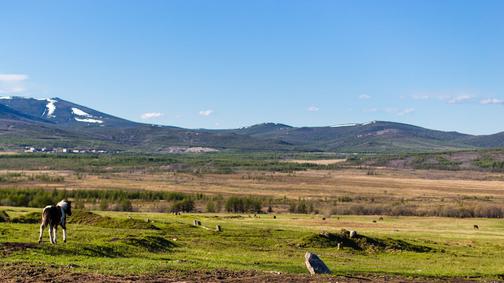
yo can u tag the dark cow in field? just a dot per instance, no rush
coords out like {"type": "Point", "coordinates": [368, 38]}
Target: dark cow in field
{"type": "Point", "coordinates": [476, 227]}
{"type": "Point", "coordinates": [54, 215]}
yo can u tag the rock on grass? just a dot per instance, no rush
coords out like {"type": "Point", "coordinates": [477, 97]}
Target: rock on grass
{"type": "Point", "coordinates": [315, 265]}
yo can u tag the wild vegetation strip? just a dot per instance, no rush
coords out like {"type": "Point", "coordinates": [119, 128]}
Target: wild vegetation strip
{"type": "Point", "coordinates": [327, 192]}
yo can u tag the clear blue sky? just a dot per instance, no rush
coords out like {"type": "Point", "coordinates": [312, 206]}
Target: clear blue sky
{"type": "Point", "coordinates": [226, 64]}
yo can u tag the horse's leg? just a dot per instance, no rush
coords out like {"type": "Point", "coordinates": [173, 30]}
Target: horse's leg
{"type": "Point", "coordinates": [42, 226]}
{"type": "Point", "coordinates": [51, 233]}
{"type": "Point", "coordinates": [55, 232]}
{"type": "Point", "coordinates": [64, 234]}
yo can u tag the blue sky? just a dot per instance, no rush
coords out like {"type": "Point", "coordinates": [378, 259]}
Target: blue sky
{"type": "Point", "coordinates": [227, 64]}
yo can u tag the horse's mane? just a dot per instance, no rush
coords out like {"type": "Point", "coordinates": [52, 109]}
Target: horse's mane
{"type": "Point", "coordinates": [64, 205]}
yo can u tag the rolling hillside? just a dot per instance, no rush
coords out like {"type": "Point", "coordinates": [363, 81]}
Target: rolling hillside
{"type": "Point", "coordinates": [54, 122]}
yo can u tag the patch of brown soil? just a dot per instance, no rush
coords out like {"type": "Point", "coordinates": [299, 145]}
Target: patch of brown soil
{"type": "Point", "coordinates": [27, 273]}
{"type": "Point", "coordinates": [10, 247]}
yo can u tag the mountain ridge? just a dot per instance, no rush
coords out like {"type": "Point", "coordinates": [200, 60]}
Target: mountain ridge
{"type": "Point", "coordinates": [57, 122]}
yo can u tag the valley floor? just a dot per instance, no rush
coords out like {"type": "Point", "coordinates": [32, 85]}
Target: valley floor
{"type": "Point", "coordinates": [344, 191]}
{"type": "Point", "coordinates": [154, 247]}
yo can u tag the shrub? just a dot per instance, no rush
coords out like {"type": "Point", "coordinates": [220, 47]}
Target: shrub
{"type": "Point", "coordinates": [211, 207]}
{"type": "Point", "coordinates": [186, 205]}
{"type": "Point", "coordinates": [124, 205]}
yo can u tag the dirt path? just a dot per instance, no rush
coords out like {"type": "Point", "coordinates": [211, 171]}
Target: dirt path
{"type": "Point", "coordinates": [26, 273]}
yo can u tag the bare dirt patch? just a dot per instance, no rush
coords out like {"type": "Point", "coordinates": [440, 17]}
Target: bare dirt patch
{"type": "Point", "coordinates": [27, 273]}
{"type": "Point", "coordinates": [8, 248]}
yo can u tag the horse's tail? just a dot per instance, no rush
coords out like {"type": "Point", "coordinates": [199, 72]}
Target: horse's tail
{"type": "Point", "coordinates": [45, 215]}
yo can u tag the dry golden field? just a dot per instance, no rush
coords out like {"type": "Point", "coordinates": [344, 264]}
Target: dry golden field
{"type": "Point", "coordinates": [304, 184]}
{"type": "Point", "coordinates": [422, 188]}
{"type": "Point", "coordinates": [317, 162]}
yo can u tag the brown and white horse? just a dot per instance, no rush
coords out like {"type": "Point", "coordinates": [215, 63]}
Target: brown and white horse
{"type": "Point", "coordinates": [54, 215]}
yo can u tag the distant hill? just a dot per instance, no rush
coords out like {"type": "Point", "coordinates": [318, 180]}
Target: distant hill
{"type": "Point", "coordinates": [54, 122]}
{"type": "Point", "coordinates": [373, 136]}
{"type": "Point", "coordinates": [487, 141]}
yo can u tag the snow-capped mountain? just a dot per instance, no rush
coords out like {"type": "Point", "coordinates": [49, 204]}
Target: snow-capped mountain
{"type": "Point", "coordinates": [61, 112]}
{"type": "Point", "coordinates": [60, 123]}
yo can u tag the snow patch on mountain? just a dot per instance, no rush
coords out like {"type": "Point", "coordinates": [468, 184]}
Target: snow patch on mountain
{"type": "Point", "coordinates": [50, 107]}
{"type": "Point", "coordinates": [345, 125]}
{"type": "Point", "coordinates": [79, 112]}
{"type": "Point", "coordinates": [353, 124]}
{"type": "Point", "coordinates": [88, 120]}
{"type": "Point", "coordinates": [5, 97]}
{"type": "Point", "coordinates": [368, 123]}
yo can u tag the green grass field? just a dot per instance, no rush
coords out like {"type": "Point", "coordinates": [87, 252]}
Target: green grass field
{"type": "Point", "coordinates": [120, 245]}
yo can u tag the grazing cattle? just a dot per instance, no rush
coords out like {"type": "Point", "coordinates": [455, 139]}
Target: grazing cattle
{"type": "Point", "coordinates": [54, 215]}
{"type": "Point", "coordinates": [476, 227]}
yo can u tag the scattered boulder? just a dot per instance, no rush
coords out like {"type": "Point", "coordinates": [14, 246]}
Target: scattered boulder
{"type": "Point", "coordinates": [315, 265]}
{"type": "Point", "coordinates": [353, 234]}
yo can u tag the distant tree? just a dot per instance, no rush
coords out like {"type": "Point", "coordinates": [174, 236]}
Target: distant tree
{"type": "Point", "coordinates": [211, 207]}
{"type": "Point", "coordinates": [104, 204]}
{"type": "Point", "coordinates": [292, 208]}
{"type": "Point", "coordinates": [242, 205]}
{"type": "Point", "coordinates": [186, 205]}
{"type": "Point", "coordinates": [125, 205]}
{"type": "Point", "coordinates": [302, 208]}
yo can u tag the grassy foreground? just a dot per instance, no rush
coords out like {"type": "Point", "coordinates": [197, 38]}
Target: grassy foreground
{"type": "Point", "coordinates": [127, 244]}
